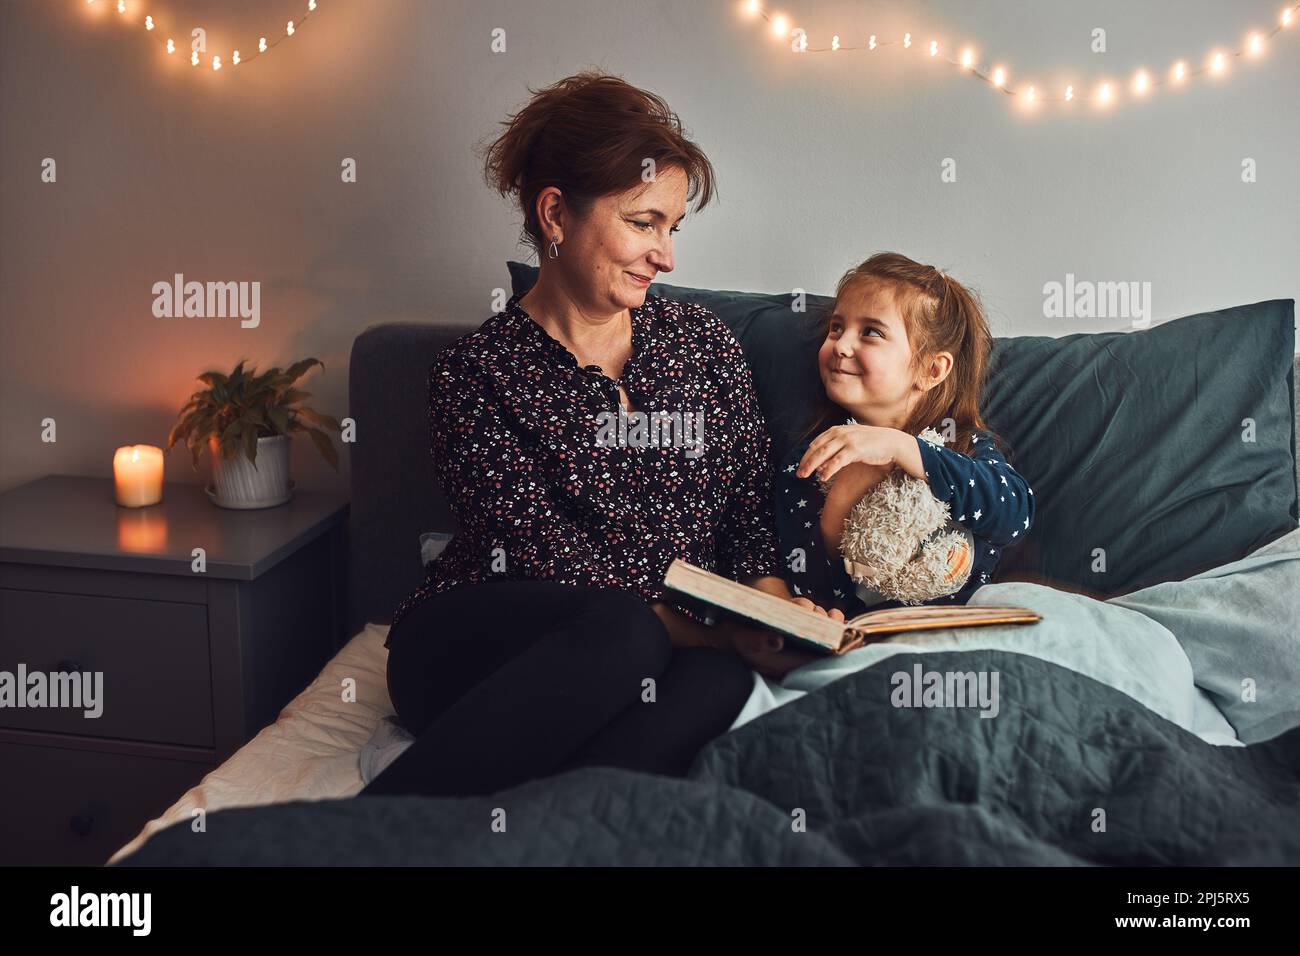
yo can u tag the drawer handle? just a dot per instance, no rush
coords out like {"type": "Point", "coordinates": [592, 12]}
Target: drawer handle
{"type": "Point", "coordinates": [82, 823]}
{"type": "Point", "coordinates": [68, 665]}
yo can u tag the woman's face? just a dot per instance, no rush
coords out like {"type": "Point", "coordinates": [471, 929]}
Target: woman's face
{"type": "Point", "coordinates": [865, 358]}
{"type": "Point", "coordinates": [625, 236]}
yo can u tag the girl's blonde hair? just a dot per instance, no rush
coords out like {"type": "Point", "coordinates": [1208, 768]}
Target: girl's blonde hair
{"type": "Point", "coordinates": [940, 315]}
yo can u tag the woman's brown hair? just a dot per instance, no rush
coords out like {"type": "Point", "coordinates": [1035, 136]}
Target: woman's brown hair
{"type": "Point", "coordinates": [589, 135]}
{"type": "Point", "coordinates": [940, 315]}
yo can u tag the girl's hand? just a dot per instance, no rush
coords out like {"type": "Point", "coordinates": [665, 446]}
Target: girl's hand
{"type": "Point", "coordinates": [846, 444]}
{"type": "Point", "coordinates": [834, 613]}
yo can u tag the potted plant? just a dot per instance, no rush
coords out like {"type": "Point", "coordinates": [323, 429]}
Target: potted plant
{"type": "Point", "coordinates": [246, 419]}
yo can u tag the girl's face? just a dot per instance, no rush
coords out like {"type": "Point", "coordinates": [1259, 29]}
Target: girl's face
{"type": "Point", "coordinates": [865, 359]}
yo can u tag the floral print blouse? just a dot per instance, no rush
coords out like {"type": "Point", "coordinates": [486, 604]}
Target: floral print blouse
{"type": "Point", "coordinates": [984, 494]}
{"type": "Point", "coordinates": [539, 492]}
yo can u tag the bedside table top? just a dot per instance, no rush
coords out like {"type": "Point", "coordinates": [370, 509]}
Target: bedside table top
{"type": "Point", "coordinates": [73, 521]}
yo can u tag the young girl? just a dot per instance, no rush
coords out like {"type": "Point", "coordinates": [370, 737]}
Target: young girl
{"type": "Point", "coordinates": [905, 350]}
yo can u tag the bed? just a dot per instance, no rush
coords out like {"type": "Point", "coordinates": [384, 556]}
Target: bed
{"type": "Point", "coordinates": [1126, 707]}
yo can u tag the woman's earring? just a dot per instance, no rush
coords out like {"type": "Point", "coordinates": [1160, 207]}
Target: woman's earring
{"type": "Point", "coordinates": [554, 251]}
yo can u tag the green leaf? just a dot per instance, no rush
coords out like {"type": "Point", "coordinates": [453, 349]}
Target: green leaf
{"type": "Point", "coordinates": [292, 395]}
{"type": "Point", "coordinates": [295, 371]}
{"type": "Point", "coordinates": [250, 444]}
{"type": "Point", "coordinates": [229, 441]}
{"type": "Point", "coordinates": [279, 419]}
{"type": "Point", "coordinates": [316, 418]}
{"type": "Point", "coordinates": [324, 446]}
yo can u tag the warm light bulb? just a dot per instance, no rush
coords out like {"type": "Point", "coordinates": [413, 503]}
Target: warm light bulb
{"type": "Point", "coordinates": [311, 4]}
{"type": "Point", "coordinates": [1286, 17]}
{"type": "Point", "coordinates": [1030, 95]}
{"type": "Point", "coordinates": [752, 8]}
{"type": "Point", "coordinates": [216, 63]}
{"type": "Point", "coordinates": [234, 58]}
{"type": "Point", "coordinates": [1069, 93]}
{"type": "Point", "coordinates": [121, 6]}
{"type": "Point", "coordinates": [967, 58]}
{"type": "Point", "coordinates": [780, 26]}
{"type": "Point", "coordinates": [1104, 93]}
{"type": "Point", "coordinates": [1218, 64]}
{"type": "Point", "coordinates": [290, 28]}
{"type": "Point", "coordinates": [907, 41]}
{"type": "Point", "coordinates": [999, 77]}
{"type": "Point", "coordinates": [1180, 71]}
{"type": "Point", "coordinates": [148, 23]}
{"type": "Point", "coordinates": [1141, 82]}
{"type": "Point", "coordinates": [934, 48]}
{"type": "Point", "coordinates": [1256, 44]}
{"type": "Point", "coordinates": [171, 46]}
{"type": "Point", "coordinates": [835, 42]}
{"type": "Point", "coordinates": [261, 44]}
{"type": "Point", "coordinates": [194, 58]}
{"type": "Point", "coordinates": [871, 43]}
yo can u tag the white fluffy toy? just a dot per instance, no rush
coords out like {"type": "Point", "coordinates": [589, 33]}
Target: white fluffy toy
{"type": "Point", "coordinates": [900, 543]}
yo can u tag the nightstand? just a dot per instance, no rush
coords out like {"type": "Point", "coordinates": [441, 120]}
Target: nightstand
{"type": "Point", "coordinates": [191, 663]}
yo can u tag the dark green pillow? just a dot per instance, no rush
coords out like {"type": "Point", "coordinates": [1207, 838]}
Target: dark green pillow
{"type": "Point", "coordinates": [1132, 441]}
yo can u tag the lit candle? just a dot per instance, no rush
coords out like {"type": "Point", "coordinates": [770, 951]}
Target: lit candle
{"type": "Point", "coordinates": [138, 475]}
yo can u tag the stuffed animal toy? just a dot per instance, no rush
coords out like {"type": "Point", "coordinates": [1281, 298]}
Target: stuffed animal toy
{"type": "Point", "coordinates": [900, 543]}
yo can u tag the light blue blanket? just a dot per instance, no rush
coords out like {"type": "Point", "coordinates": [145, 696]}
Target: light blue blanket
{"type": "Point", "coordinates": [1181, 649]}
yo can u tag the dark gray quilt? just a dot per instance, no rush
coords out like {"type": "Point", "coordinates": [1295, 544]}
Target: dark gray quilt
{"type": "Point", "coordinates": [1070, 772]}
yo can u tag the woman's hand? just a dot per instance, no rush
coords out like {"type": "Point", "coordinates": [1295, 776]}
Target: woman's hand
{"type": "Point", "coordinates": [762, 650]}
{"type": "Point", "coordinates": [846, 444]}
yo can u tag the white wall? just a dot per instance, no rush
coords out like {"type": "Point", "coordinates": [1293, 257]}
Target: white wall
{"type": "Point", "coordinates": [822, 159]}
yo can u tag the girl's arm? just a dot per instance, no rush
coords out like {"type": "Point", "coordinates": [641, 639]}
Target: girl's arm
{"type": "Point", "coordinates": [983, 491]}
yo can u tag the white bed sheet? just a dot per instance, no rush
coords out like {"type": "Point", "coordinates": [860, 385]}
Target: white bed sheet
{"type": "Point", "coordinates": [310, 752]}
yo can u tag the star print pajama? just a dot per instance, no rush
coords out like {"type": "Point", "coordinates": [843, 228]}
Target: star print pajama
{"type": "Point", "coordinates": [984, 492]}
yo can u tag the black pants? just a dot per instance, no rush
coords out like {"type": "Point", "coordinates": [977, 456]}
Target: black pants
{"type": "Point", "coordinates": [508, 681]}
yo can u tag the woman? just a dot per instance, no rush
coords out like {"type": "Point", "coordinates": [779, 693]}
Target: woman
{"type": "Point", "coordinates": [543, 638]}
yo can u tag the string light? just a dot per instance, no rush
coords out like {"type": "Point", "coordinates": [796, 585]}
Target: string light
{"type": "Point", "coordinates": [1104, 93]}
{"type": "Point", "coordinates": [291, 28]}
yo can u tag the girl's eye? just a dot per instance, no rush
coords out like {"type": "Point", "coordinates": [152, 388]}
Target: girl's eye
{"type": "Point", "coordinates": [872, 328]}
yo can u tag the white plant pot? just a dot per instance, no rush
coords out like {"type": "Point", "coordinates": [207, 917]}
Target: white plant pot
{"type": "Point", "coordinates": [238, 483]}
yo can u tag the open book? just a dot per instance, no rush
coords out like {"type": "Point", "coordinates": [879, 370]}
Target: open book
{"type": "Point", "coordinates": [816, 632]}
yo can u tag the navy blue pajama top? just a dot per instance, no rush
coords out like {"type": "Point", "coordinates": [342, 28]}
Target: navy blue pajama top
{"type": "Point", "coordinates": [984, 494]}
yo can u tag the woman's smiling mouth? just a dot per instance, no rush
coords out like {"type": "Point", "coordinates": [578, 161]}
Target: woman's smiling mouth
{"type": "Point", "coordinates": [639, 279]}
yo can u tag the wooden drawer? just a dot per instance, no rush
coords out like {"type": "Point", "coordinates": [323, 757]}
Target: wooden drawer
{"type": "Point", "coordinates": [153, 655]}
{"type": "Point", "coordinates": [62, 807]}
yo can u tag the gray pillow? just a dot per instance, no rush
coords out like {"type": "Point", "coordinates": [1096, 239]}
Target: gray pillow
{"type": "Point", "coordinates": [1238, 623]}
{"type": "Point", "coordinates": [1132, 441]}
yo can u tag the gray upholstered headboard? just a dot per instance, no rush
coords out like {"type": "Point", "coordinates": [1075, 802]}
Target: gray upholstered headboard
{"type": "Point", "coordinates": [395, 496]}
